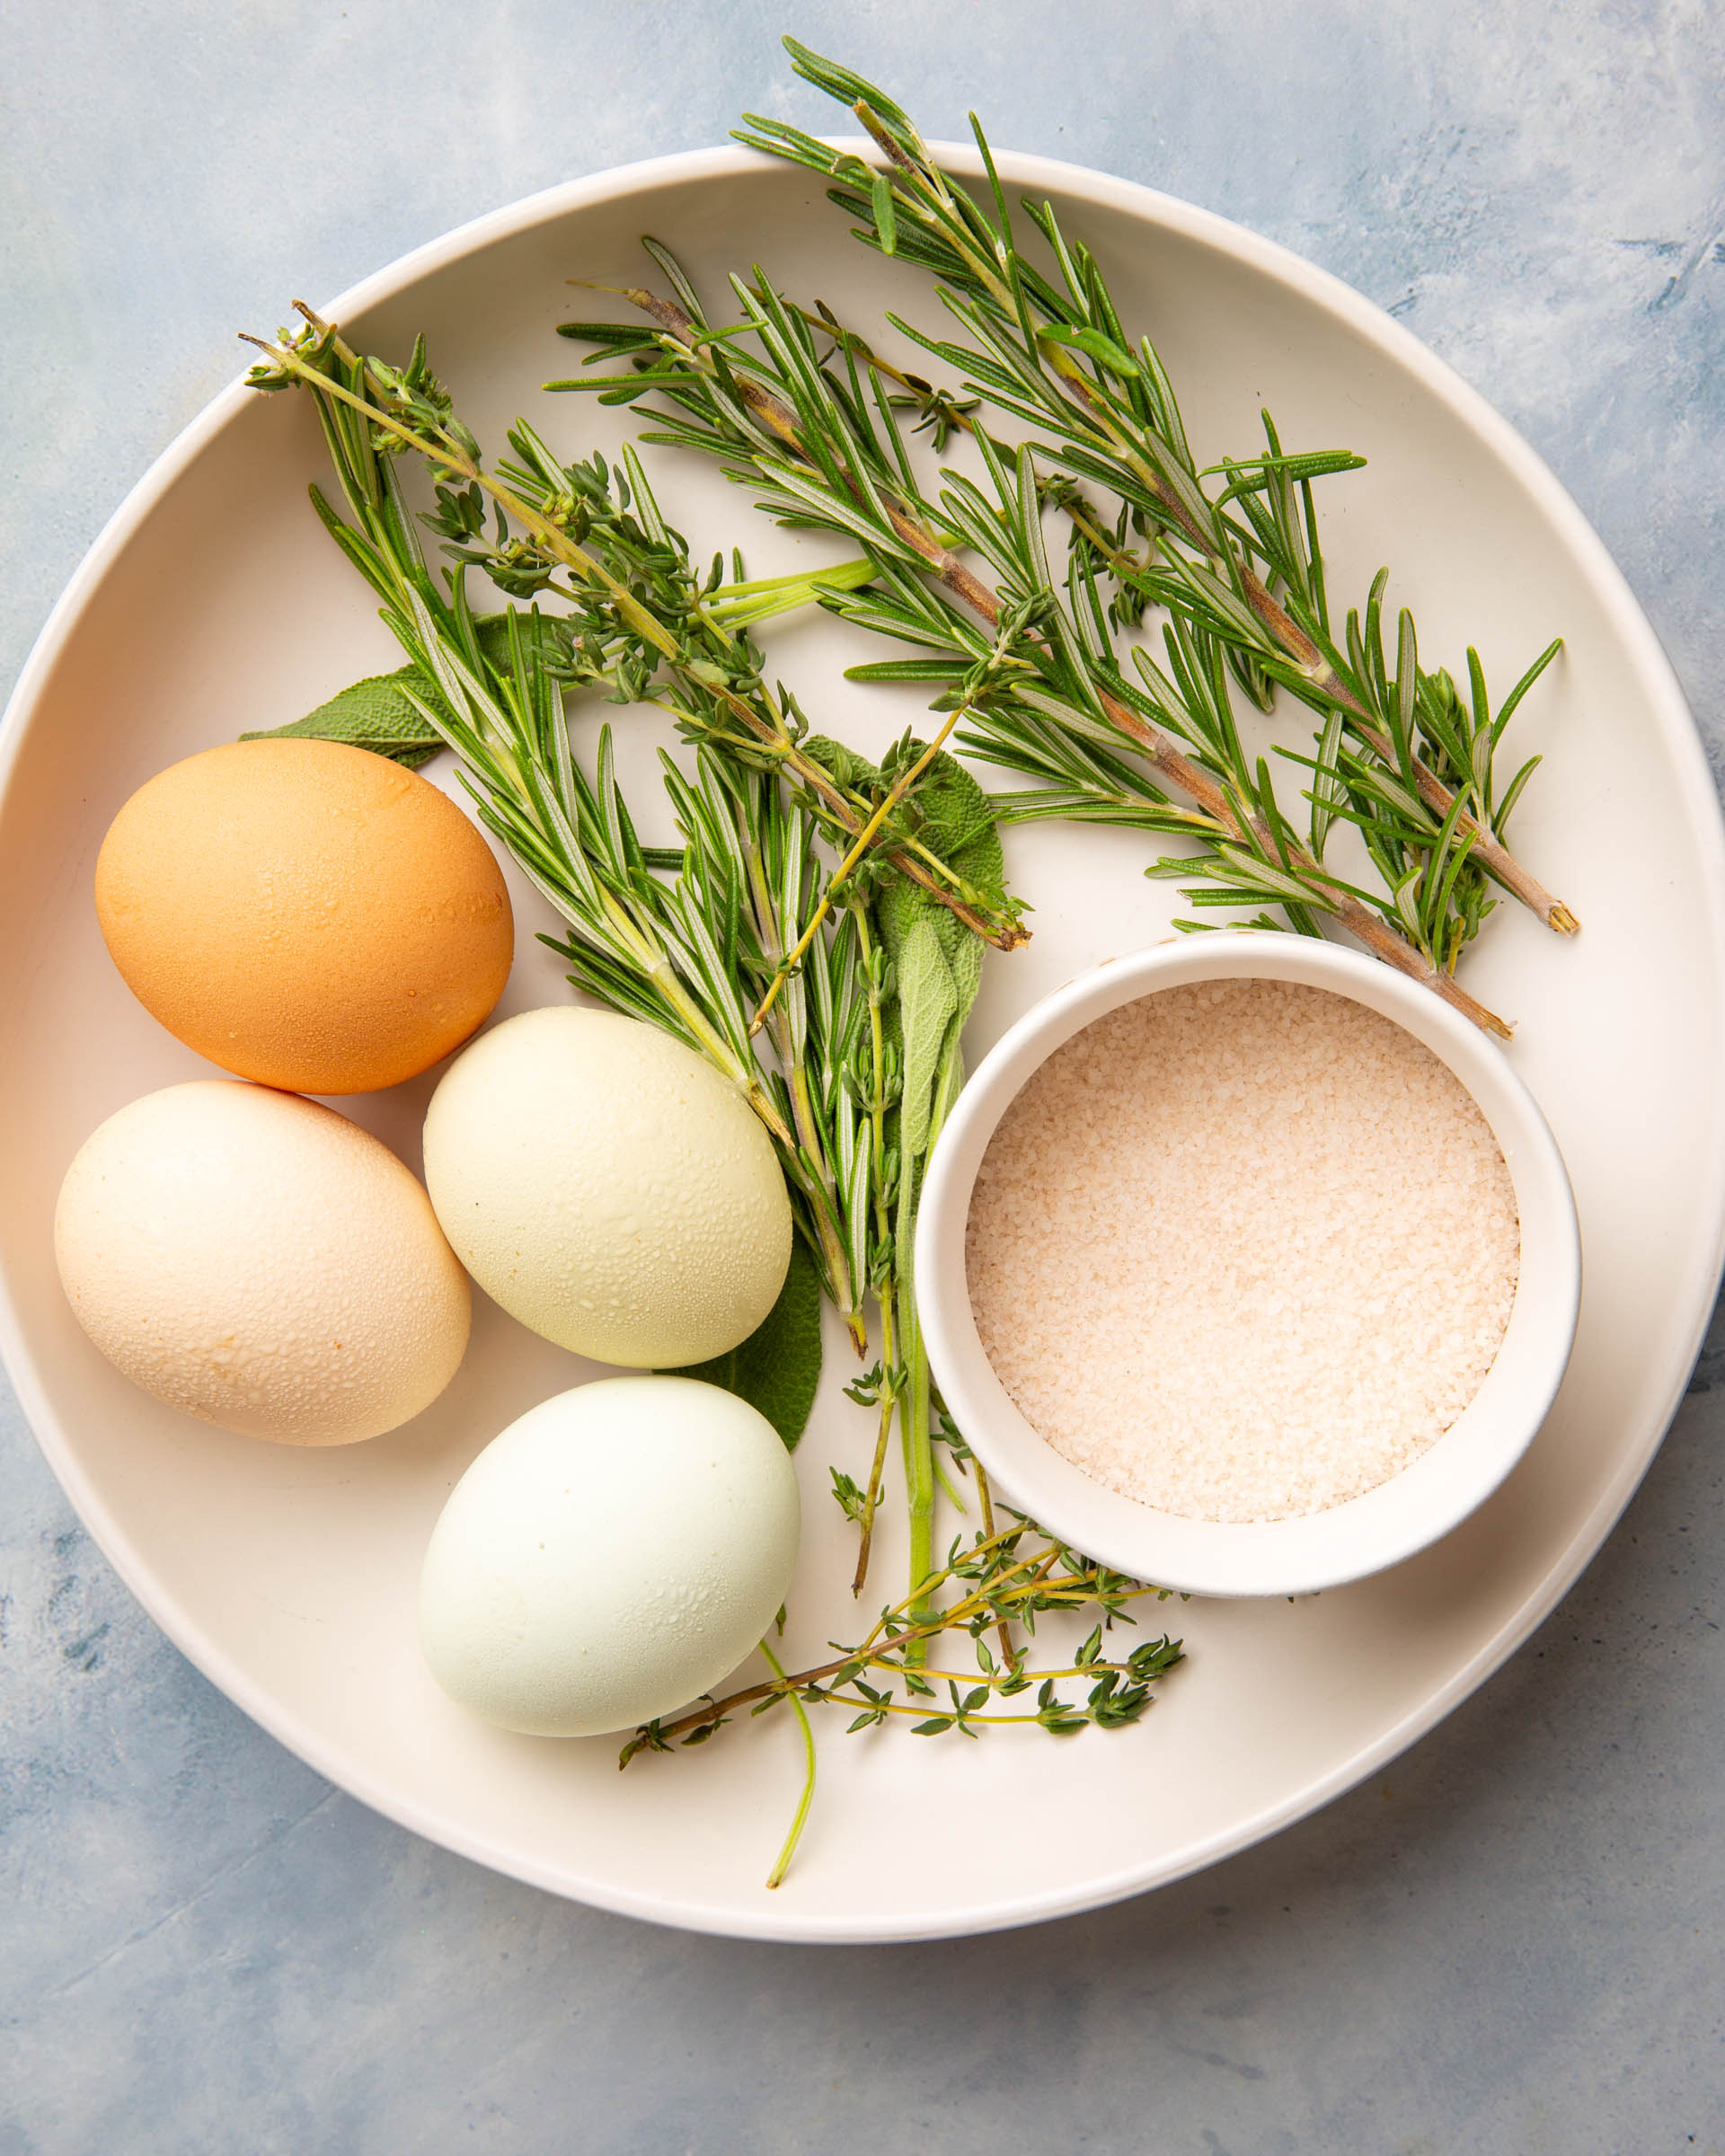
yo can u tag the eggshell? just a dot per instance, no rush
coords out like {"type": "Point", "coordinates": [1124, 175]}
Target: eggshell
{"type": "Point", "coordinates": [308, 914]}
{"type": "Point", "coordinates": [608, 1187]}
{"type": "Point", "coordinates": [613, 1554]}
{"type": "Point", "coordinates": [261, 1263]}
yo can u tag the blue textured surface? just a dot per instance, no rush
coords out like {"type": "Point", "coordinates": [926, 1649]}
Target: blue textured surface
{"type": "Point", "coordinates": [1512, 1944]}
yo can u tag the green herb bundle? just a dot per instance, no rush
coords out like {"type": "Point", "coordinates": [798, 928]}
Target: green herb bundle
{"type": "Point", "coordinates": [1051, 349]}
{"type": "Point", "coordinates": [798, 406]}
{"type": "Point", "coordinates": [832, 997]}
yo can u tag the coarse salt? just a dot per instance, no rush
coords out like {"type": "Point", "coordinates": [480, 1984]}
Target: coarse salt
{"type": "Point", "coordinates": [1243, 1249]}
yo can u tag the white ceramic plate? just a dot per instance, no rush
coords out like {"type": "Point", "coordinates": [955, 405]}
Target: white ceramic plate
{"type": "Point", "coordinates": [214, 603]}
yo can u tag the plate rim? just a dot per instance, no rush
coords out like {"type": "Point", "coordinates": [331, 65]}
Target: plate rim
{"type": "Point", "coordinates": [1283, 267]}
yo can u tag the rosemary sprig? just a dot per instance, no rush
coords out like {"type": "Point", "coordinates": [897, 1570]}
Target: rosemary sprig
{"type": "Point", "coordinates": [1053, 351]}
{"type": "Point", "coordinates": [636, 606]}
{"type": "Point", "coordinates": [824, 443]}
{"type": "Point", "coordinates": [1420, 837]}
{"type": "Point", "coordinates": [678, 954]}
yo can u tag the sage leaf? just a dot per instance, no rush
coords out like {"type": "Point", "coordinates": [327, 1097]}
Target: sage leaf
{"type": "Point", "coordinates": [928, 1002]}
{"type": "Point", "coordinates": [375, 714]}
{"type": "Point", "coordinates": [378, 713]}
{"type": "Point", "coordinates": [777, 1367]}
{"type": "Point", "coordinates": [937, 961]}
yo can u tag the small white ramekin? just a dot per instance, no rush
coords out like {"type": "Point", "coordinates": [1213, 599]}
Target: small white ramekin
{"type": "Point", "coordinates": [1283, 1556]}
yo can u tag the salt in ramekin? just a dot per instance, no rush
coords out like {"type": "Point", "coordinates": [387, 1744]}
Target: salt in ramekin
{"type": "Point", "coordinates": [1424, 1500]}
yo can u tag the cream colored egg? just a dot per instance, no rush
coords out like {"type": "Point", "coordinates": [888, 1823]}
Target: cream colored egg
{"type": "Point", "coordinates": [608, 1187]}
{"type": "Point", "coordinates": [261, 1263]}
{"type": "Point", "coordinates": [615, 1553]}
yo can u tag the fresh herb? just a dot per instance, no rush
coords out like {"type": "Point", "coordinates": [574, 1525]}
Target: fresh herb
{"type": "Point", "coordinates": [935, 972]}
{"type": "Point", "coordinates": [822, 441]}
{"type": "Point", "coordinates": [676, 955]}
{"type": "Point", "coordinates": [1243, 557]}
{"type": "Point", "coordinates": [778, 1368]}
{"type": "Point", "coordinates": [1400, 755]}
{"type": "Point", "coordinates": [848, 1052]}
{"type": "Point", "coordinates": [1002, 1582]}
{"type": "Point", "coordinates": [383, 713]}
{"type": "Point", "coordinates": [816, 934]}
{"type": "Point", "coordinates": [1418, 833]}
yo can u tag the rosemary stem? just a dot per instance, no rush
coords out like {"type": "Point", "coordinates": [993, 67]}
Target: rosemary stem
{"type": "Point", "coordinates": [1180, 771]}
{"type": "Point", "coordinates": [1488, 851]}
{"type": "Point", "coordinates": [1491, 855]}
{"type": "Point", "coordinates": [658, 970]}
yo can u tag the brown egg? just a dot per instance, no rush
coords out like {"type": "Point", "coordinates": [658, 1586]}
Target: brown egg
{"type": "Point", "coordinates": [303, 913]}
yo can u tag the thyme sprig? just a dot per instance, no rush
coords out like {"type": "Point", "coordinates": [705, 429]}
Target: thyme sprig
{"type": "Point", "coordinates": [821, 440]}
{"type": "Point", "coordinates": [1053, 351]}
{"type": "Point", "coordinates": [903, 765]}
{"type": "Point", "coordinates": [1005, 1577]}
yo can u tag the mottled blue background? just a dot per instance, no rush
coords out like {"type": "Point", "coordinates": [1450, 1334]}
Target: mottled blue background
{"type": "Point", "coordinates": [1508, 1946]}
